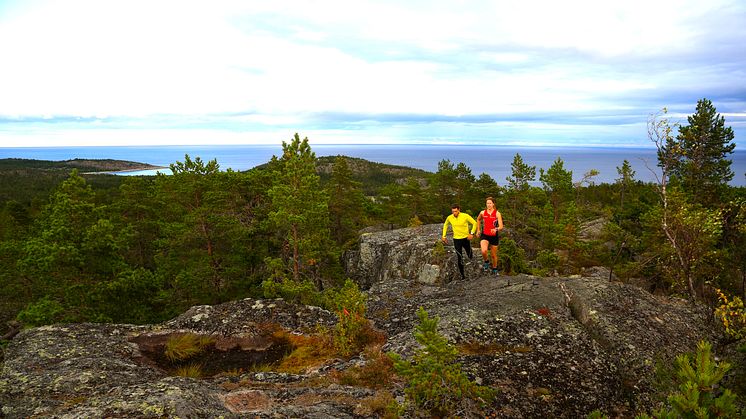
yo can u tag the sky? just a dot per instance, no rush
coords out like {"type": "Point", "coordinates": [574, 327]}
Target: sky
{"type": "Point", "coordinates": [99, 72]}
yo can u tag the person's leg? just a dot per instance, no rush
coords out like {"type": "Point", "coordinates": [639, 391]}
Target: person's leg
{"type": "Point", "coordinates": [467, 245]}
{"type": "Point", "coordinates": [493, 250]}
{"type": "Point", "coordinates": [458, 244]}
{"type": "Point", "coordinates": [484, 245]}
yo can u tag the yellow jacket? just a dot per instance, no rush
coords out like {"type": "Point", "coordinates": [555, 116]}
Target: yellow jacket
{"type": "Point", "coordinates": [460, 225]}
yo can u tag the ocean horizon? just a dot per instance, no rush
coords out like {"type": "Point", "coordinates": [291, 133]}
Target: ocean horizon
{"type": "Point", "coordinates": [495, 160]}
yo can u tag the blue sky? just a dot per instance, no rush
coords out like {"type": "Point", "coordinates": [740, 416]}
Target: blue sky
{"type": "Point", "coordinates": [572, 72]}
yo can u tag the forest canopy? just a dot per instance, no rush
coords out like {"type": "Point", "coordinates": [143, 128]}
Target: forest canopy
{"type": "Point", "coordinates": [81, 247]}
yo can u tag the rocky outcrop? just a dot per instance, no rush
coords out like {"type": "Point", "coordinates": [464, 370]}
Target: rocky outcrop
{"type": "Point", "coordinates": [552, 347]}
{"type": "Point", "coordinates": [408, 253]}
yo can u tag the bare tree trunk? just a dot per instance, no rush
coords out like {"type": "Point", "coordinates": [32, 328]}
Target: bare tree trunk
{"type": "Point", "coordinates": [659, 132]}
{"type": "Point", "coordinates": [296, 263]}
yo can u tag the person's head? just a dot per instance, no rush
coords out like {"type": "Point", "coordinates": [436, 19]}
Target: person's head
{"type": "Point", "coordinates": [455, 209]}
{"type": "Point", "coordinates": [490, 202]}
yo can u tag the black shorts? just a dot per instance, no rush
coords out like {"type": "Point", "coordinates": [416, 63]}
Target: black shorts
{"type": "Point", "coordinates": [494, 240]}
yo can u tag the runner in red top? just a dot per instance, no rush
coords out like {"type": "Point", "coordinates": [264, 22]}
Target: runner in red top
{"type": "Point", "coordinates": [489, 238]}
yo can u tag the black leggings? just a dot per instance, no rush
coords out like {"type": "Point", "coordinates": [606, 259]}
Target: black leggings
{"type": "Point", "coordinates": [462, 244]}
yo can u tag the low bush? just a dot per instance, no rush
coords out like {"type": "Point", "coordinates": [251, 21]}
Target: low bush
{"type": "Point", "coordinates": [435, 382]}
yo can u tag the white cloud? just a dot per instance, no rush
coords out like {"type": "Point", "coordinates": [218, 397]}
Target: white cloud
{"type": "Point", "coordinates": [282, 62]}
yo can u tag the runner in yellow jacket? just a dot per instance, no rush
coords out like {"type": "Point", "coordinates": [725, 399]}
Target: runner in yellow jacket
{"type": "Point", "coordinates": [462, 235]}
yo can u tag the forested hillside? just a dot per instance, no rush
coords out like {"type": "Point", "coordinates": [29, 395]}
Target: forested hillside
{"type": "Point", "coordinates": [143, 249]}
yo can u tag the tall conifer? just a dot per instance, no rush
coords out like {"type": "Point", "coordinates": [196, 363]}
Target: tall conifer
{"type": "Point", "coordinates": [299, 205]}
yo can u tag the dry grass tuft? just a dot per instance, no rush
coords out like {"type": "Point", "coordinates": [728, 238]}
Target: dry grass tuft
{"type": "Point", "coordinates": [181, 347]}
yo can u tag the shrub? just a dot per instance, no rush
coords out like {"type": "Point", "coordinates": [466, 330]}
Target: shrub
{"type": "Point", "coordinates": [42, 311]}
{"type": "Point", "coordinates": [434, 381]}
{"type": "Point", "coordinates": [512, 257]}
{"type": "Point", "coordinates": [548, 261]}
{"type": "Point", "coordinates": [377, 372]}
{"type": "Point", "coordinates": [733, 315]}
{"type": "Point", "coordinates": [308, 352]}
{"type": "Point", "coordinates": [303, 292]}
{"type": "Point", "coordinates": [439, 252]}
{"type": "Point", "coordinates": [353, 331]}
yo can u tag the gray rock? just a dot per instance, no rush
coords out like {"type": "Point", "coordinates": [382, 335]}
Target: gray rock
{"type": "Point", "coordinates": [552, 347]}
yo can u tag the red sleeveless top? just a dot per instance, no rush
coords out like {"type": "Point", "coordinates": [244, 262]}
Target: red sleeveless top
{"type": "Point", "coordinates": [490, 222]}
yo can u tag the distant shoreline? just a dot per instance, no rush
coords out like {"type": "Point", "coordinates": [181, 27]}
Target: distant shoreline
{"type": "Point", "coordinates": [128, 170]}
{"type": "Point", "coordinates": [494, 161]}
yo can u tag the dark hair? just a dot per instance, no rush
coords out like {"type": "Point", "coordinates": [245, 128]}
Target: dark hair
{"type": "Point", "coordinates": [456, 206]}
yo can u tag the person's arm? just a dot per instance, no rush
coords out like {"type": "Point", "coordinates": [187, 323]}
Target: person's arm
{"type": "Point", "coordinates": [499, 221]}
{"type": "Point", "coordinates": [479, 222]}
{"type": "Point", "coordinates": [474, 225]}
{"type": "Point", "coordinates": [445, 229]}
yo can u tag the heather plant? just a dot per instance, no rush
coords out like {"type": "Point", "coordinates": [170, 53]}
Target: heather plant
{"type": "Point", "coordinates": [435, 382]}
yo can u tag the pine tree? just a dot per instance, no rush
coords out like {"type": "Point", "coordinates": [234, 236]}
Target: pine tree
{"type": "Point", "coordinates": [346, 202]}
{"type": "Point", "coordinates": [464, 181]}
{"type": "Point", "coordinates": [625, 179]}
{"type": "Point", "coordinates": [436, 382]}
{"type": "Point", "coordinates": [299, 205]}
{"type": "Point", "coordinates": [444, 186]}
{"type": "Point", "coordinates": [521, 175]}
{"type": "Point", "coordinates": [413, 199]}
{"type": "Point", "coordinates": [558, 183]}
{"type": "Point", "coordinates": [703, 166]}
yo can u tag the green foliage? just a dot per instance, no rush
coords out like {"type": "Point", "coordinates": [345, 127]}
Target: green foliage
{"type": "Point", "coordinates": [371, 175]}
{"type": "Point", "coordinates": [41, 312]}
{"type": "Point", "coordinates": [303, 292]}
{"type": "Point", "coordinates": [698, 395]}
{"type": "Point", "coordinates": [596, 414]}
{"type": "Point", "coordinates": [346, 210]}
{"type": "Point", "coordinates": [625, 180]}
{"type": "Point", "coordinates": [732, 314]}
{"type": "Point", "coordinates": [684, 237]}
{"type": "Point", "coordinates": [438, 252]}
{"type": "Point", "coordinates": [352, 331]}
{"type": "Point", "coordinates": [512, 257]}
{"type": "Point", "coordinates": [135, 296]}
{"type": "Point", "coordinates": [435, 382]}
{"type": "Point", "coordinates": [548, 261]}
{"type": "Point", "coordinates": [444, 185]}
{"type": "Point", "coordinates": [300, 207]}
{"type": "Point", "coordinates": [558, 183]}
{"type": "Point", "coordinates": [703, 146]}
{"type": "Point", "coordinates": [521, 174]}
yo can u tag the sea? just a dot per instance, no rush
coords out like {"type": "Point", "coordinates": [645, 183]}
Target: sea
{"type": "Point", "coordinates": [492, 160]}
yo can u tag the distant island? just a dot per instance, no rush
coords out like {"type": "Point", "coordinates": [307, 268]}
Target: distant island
{"type": "Point", "coordinates": [83, 165]}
